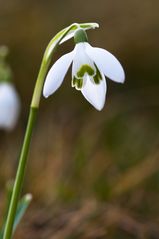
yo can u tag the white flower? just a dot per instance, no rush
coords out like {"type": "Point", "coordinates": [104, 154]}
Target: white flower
{"type": "Point", "coordinates": [9, 106]}
{"type": "Point", "coordinates": [90, 65]}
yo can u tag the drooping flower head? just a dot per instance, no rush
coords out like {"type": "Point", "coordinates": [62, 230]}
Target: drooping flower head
{"type": "Point", "coordinates": [90, 66]}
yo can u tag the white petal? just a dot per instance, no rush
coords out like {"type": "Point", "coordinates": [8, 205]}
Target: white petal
{"type": "Point", "coordinates": [57, 73]}
{"type": "Point", "coordinates": [95, 93]}
{"type": "Point", "coordinates": [9, 106]}
{"type": "Point", "coordinates": [81, 58]}
{"type": "Point", "coordinates": [106, 62]}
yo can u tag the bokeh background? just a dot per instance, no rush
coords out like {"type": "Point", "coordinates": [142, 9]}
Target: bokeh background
{"type": "Point", "coordinates": [92, 174]}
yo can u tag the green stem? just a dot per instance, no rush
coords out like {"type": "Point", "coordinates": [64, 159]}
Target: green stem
{"type": "Point", "coordinates": [20, 174]}
{"type": "Point", "coordinates": [52, 46]}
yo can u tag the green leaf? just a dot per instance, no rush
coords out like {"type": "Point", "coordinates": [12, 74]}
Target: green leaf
{"type": "Point", "coordinates": [22, 206]}
{"type": "Point", "coordinates": [9, 189]}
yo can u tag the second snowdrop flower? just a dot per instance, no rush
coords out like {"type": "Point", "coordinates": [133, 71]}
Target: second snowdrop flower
{"type": "Point", "coordinates": [90, 65]}
{"type": "Point", "coordinates": [9, 99]}
{"type": "Point", "coordinates": [9, 106]}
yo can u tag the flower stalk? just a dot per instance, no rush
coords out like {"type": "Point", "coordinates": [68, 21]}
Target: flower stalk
{"type": "Point", "coordinates": [20, 174]}
{"type": "Point", "coordinates": [51, 48]}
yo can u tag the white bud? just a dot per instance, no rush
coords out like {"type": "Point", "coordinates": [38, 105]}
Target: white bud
{"type": "Point", "coordinates": [9, 106]}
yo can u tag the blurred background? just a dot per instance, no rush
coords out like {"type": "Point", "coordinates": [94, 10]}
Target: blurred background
{"type": "Point", "coordinates": [92, 174]}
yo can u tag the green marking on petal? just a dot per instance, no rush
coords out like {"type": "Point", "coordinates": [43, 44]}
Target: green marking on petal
{"type": "Point", "coordinates": [98, 77]}
{"type": "Point", "coordinates": [74, 81]}
{"type": "Point", "coordinates": [85, 69]}
{"type": "Point", "coordinates": [98, 72]}
{"type": "Point", "coordinates": [77, 83]}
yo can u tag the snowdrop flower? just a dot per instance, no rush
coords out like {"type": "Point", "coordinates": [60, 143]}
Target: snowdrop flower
{"type": "Point", "coordinates": [9, 100]}
{"type": "Point", "coordinates": [9, 106]}
{"type": "Point", "coordinates": [90, 65]}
